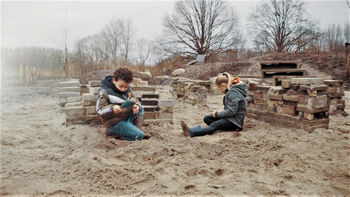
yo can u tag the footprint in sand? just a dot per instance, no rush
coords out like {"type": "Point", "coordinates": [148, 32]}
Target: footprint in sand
{"type": "Point", "coordinates": [192, 172]}
{"type": "Point", "coordinates": [219, 172]}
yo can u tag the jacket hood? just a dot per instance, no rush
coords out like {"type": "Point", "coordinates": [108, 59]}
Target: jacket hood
{"type": "Point", "coordinates": [108, 85]}
{"type": "Point", "coordinates": [241, 88]}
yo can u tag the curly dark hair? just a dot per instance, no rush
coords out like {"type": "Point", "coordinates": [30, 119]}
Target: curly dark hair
{"type": "Point", "coordinates": [124, 74]}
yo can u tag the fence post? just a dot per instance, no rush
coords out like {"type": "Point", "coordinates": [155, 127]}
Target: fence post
{"type": "Point", "coordinates": [20, 74]}
{"type": "Point", "coordinates": [346, 59]}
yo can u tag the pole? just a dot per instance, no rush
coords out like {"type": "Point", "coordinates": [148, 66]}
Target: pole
{"type": "Point", "coordinates": [346, 58]}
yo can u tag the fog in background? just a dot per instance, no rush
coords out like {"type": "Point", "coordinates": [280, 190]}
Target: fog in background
{"type": "Point", "coordinates": [41, 23]}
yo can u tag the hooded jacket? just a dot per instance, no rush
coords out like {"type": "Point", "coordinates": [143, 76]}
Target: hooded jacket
{"type": "Point", "coordinates": [109, 96]}
{"type": "Point", "coordinates": [235, 105]}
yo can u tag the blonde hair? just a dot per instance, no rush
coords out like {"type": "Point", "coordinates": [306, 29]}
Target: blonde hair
{"type": "Point", "coordinates": [228, 79]}
{"type": "Point", "coordinates": [221, 79]}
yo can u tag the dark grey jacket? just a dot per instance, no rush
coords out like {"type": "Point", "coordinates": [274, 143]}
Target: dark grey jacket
{"type": "Point", "coordinates": [109, 96]}
{"type": "Point", "coordinates": [235, 105]}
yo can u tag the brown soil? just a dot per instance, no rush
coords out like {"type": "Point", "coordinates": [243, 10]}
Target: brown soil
{"type": "Point", "coordinates": [40, 155]}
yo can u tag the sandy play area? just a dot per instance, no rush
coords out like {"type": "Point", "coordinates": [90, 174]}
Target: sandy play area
{"type": "Point", "coordinates": [40, 155]}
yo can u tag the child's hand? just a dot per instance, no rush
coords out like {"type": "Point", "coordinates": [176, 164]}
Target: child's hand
{"type": "Point", "coordinates": [116, 109]}
{"type": "Point", "coordinates": [136, 109]}
{"type": "Point", "coordinates": [213, 114]}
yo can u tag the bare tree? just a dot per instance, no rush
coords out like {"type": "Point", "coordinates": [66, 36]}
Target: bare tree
{"type": "Point", "coordinates": [200, 27]}
{"type": "Point", "coordinates": [143, 51]}
{"type": "Point", "coordinates": [282, 26]}
{"type": "Point", "coordinates": [61, 40]}
{"type": "Point", "coordinates": [112, 33]}
{"type": "Point", "coordinates": [346, 32]}
{"type": "Point", "coordinates": [127, 34]}
{"type": "Point", "coordinates": [334, 37]}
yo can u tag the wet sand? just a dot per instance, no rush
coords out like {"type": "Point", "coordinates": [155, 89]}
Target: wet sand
{"type": "Point", "coordinates": [40, 155]}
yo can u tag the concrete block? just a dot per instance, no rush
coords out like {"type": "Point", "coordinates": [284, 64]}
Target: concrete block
{"type": "Point", "coordinates": [202, 82]}
{"type": "Point", "coordinates": [252, 86]}
{"type": "Point", "coordinates": [306, 81]}
{"type": "Point", "coordinates": [286, 84]}
{"type": "Point", "coordinates": [68, 94]}
{"type": "Point", "coordinates": [75, 111]}
{"type": "Point", "coordinates": [294, 87]}
{"type": "Point", "coordinates": [318, 101]}
{"type": "Point", "coordinates": [149, 101]}
{"type": "Point", "coordinates": [290, 103]}
{"type": "Point", "coordinates": [150, 95]}
{"type": "Point", "coordinates": [309, 109]}
{"type": "Point", "coordinates": [309, 116]}
{"type": "Point", "coordinates": [91, 110]}
{"type": "Point", "coordinates": [251, 105]}
{"type": "Point", "coordinates": [150, 108]}
{"type": "Point", "coordinates": [318, 87]}
{"type": "Point", "coordinates": [262, 107]}
{"type": "Point", "coordinates": [67, 105]}
{"type": "Point", "coordinates": [165, 103]}
{"type": "Point", "coordinates": [336, 92]}
{"type": "Point", "coordinates": [321, 92]}
{"type": "Point", "coordinates": [276, 97]}
{"type": "Point", "coordinates": [274, 102]}
{"type": "Point", "coordinates": [332, 109]}
{"type": "Point", "coordinates": [142, 83]}
{"type": "Point", "coordinates": [168, 109]}
{"type": "Point", "coordinates": [263, 88]}
{"type": "Point", "coordinates": [72, 83]}
{"type": "Point", "coordinates": [314, 124]}
{"type": "Point", "coordinates": [62, 101]}
{"type": "Point", "coordinates": [89, 97]}
{"type": "Point", "coordinates": [260, 101]}
{"type": "Point", "coordinates": [334, 83]}
{"type": "Point", "coordinates": [302, 100]}
{"type": "Point", "coordinates": [93, 119]}
{"type": "Point", "coordinates": [311, 88]}
{"type": "Point", "coordinates": [84, 89]}
{"type": "Point", "coordinates": [337, 104]}
{"type": "Point", "coordinates": [250, 98]}
{"type": "Point", "coordinates": [94, 90]}
{"type": "Point", "coordinates": [287, 97]}
{"type": "Point", "coordinates": [74, 99]}
{"type": "Point", "coordinates": [312, 93]}
{"type": "Point", "coordinates": [95, 83]}
{"type": "Point", "coordinates": [272, 108]}
{"type": "Point", "coordinates": [88, 103]}
{"type": "Point", "coordinates": [288, 110]}
{"type": "Point", "coordinates": [150, 115]}
{"type": "Point", "coordinates": [259, 94]}
{"type": "Point", "coordinates": [291, 92]}
{"type": "Point", "coordinates": [143, 88]}
{"type": "Point", "coordinates": [69, 89]}
{"type": "Point", "coordinates": [139, 94]}
{"type": "Point", "coordinates": [332, 90]}
{"type": "Point", "coordinates": [341, 104]}
{"type": "Point", "coordinates": [278, 90]}
{"type": "Point", "coordinates": [79, 119]}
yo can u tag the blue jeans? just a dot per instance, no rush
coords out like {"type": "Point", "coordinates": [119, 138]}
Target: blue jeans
{"type": "Point", "coordinates": [215, 124]}
{"type": "Point", "coordinates": [127, 129]}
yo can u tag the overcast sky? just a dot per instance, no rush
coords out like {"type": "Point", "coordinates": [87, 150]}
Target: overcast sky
{"type": "Point", "coordinates": [40, 23]}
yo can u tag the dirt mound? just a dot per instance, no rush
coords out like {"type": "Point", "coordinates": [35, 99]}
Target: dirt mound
{"type": "Point", "coordinates": [41, 156]}
{"type": "Point", "coordinates": [205, 71]}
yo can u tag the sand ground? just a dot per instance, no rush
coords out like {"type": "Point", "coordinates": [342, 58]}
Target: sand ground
{"type": "Point", "coordinates": [40, 155]}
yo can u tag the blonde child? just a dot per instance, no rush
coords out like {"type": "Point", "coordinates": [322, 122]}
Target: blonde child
{"type": "Point", "coordinates": [235, 108]}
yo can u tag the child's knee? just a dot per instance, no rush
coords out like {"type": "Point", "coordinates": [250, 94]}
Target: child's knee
{"type": "Point", "coordinates": [207, 120]}
{"type": "Point", "coordinates": [139, 135]}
